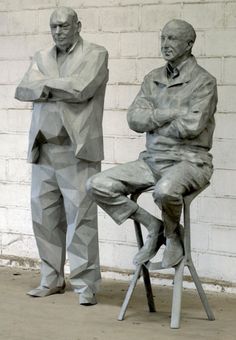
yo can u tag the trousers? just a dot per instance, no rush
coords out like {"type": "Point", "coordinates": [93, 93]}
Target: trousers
{"type": "Point", "coordinates": [172, 180]}
{"type": "Point", "coordinates": [65, 218]}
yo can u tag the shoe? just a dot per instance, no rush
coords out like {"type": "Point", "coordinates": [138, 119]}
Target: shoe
{"type": "Point", "coordinates": [173, 252]}
{"type": "Point", "coordinates": [153, 242]}
{"type": "Point", "coordinates": [45, 291]}
{"type": "Point", "coordinates": [87, 299]}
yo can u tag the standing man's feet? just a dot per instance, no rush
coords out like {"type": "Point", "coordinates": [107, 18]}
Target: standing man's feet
{"type": "Point", "coordinates": [87, 299]}
{"type": "Point", "coordinates": [42, 291]}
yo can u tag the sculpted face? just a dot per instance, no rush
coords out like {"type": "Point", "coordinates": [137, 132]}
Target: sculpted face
{"type": "Point", "coordinates": [176, 43]}
{"type": "Point", "coordinates": [64, 28]}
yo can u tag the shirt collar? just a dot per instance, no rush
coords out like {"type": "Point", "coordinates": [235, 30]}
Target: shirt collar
{"type": "Point", "coordinates": [184, 71]}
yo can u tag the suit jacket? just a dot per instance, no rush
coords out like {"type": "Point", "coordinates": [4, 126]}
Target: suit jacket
{"type": "Point", "coordinates": [75, 91]}
{"type": "Point", "coordinates": [176, 114]}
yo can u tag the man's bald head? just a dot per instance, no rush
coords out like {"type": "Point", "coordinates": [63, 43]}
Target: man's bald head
{"type": "Point", "coordinates": [65, 12]}
{"type": "Point", "coordinates": [177, 39]}
{"type": "Point", "coordinates": [183, 28]}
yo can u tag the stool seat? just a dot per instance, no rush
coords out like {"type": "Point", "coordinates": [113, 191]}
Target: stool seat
{"type": "Point", "coordinates": [179, 269]}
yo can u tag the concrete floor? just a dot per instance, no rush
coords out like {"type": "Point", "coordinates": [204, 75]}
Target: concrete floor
{"type": "Point", "coordinates": [60, 317]}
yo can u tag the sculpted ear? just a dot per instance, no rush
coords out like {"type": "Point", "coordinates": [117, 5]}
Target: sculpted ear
{"type": "Point", "coordinates": [79, 26]}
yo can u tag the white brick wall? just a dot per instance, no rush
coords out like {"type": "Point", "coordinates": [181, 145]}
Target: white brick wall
{"type": "Point", "coordinates": [130, 30]}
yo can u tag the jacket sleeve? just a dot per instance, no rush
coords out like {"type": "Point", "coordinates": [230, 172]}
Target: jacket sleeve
{"type": "Point", "coordinates": [143, 114]}
{"type": "Point", "coordinates": [79, 87]}
{"type": "Point", "coordinates": [202, 106]}
{"type": "Point", "coordinates": [32, 86]}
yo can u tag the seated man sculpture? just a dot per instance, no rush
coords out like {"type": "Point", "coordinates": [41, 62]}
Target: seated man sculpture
{"type": "Point", "coordinates": [175, 108]}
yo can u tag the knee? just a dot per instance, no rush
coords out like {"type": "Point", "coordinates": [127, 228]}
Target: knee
{"type": "Point", "coordinates": [98, 185]}
{"type": "Point", "coordinates": [164, 194]}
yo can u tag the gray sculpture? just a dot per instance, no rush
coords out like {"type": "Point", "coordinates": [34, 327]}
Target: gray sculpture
{"type": "Point", "coordinates": [66, 84]}
{"type": "Point", "coordinates": [175, 108]}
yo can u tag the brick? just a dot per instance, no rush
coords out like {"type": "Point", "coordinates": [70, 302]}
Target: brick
{"type": "Point", "coordinates": [18, 171]}
{"type": "Point", "coordinates": [13, 145]}
{"type": "Point", "coordinates": [10, 48]}
{"type": "Point", "coordinates": [109, 230]}
{"type": "Point", "coordinates": [119, 19]}
{"type": "Point", "coordinates": [3, 23]}
{"type": "Point", "coordinates": [4, 72]}
{"type": "Point", "coordinates": [7, 93]}
{"type": "Point", "coordinates": [37, 42]}
{"type": "Point", "coordinates": [19, 245]}
{"type": "Point", "coordinates": [109, 40]}
{"type": "Point", "coordinates": [222, 240]}
{"type": "Point", "coordinates": [115, 123]}
{"type": "Point", "coordinates": [227, 99]}
{"type": "Point", "coordinates": [15, 195]}
{"type": "Point", "coordinates": [129, 44]}
{"type": "Point", "coordinates": [223, 183]}
{"type": "Point", "coordinates": [44, 20]}
{"type": "Point", "coordinates": [132, 147]}
{"type": "Point", "coordinates": [204, 15]}
{"type": "Point", "coordinates": [224, 156]}
{"type": "Point", "coordinates": [73, 3]}
{"type": "Point", "coordinates": [199, 45]}
{"type": "Point", "coordinates": [22, 22]}
{"type": "Point", "coordinates": [111, 97]}
{"type": "Point", "coordinates": [89, 19]}
{"type": "Point", "coordinates": [38, 4]}
{"type": "Point", "coordinates": [4, 122]}
{"type": "Point", "coordinates": [229, 71]}
{"type": "Point", "coordinates": [16, 70]}
{"type": "Point", "coordinates": [230, 14]}
{"type": "Point", "coordinates": [225, 125]}
{"type": "Point", "coordinates": [217, 266]}
{"type": "Point", "coordinates": [109, 149]}
{"type": "Point", "coordinates": [3, 218]}
{"type": "Point", "coordinates": [154, 17]}
{"type": "Point", "coordinates": [219, 42]}
{"type": "Point", "coordinates": [144, 66]}
{"type": "Point", "coordinates": [126, 95]}
{"type": "Point", "coordinates": [18, 120]}
{"type": "Point", "coordinates": [3, 170]}
{"type": "Point", "coordinates": [200, 236]}
{"type": "Point", "coordinates": [19, 221]}
{"type": "Point", "coordinates": [218, 211]}
{"type": "Point", "coordinates": [122, 71]}
{"type": "Point", "coordinates": [140, 44]}
{"type": "Point", "coordinates": [213, 66]}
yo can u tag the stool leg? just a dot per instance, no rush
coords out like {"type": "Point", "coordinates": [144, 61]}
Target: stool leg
{"type": "Point", "coordinates": [146, 276]}
{"type": "Point", "coordinates": [148, 288]}
{"type": "Point", "coordinates": [177, 295]}
{"type": "Point", "coordinates": [201, 292]}
{"type": "Point", "coordinates": [129, 293]}
{"type": "Point", "coordinates": [189, 262]}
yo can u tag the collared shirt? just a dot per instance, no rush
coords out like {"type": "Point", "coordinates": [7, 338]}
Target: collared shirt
{"type": "Point", "coordinates": [177, 114]}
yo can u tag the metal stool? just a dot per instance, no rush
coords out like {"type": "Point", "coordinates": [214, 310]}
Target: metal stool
{"type": "Point", "coordinates": [179, 269]}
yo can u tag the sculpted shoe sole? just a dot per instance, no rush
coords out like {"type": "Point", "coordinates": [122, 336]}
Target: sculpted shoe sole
{"type": "Point", "coordinates": [87, 300]}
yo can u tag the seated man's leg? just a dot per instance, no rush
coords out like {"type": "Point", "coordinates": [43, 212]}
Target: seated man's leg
{"type": "Point", "coordinates": [110, 189]}
{"type": "Point", "coordinates": [176, 181]}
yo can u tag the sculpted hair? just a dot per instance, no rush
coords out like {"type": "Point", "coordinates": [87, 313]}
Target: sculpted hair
{"type": "Point", "coordinates": [185, 27]}
{"type": "Point", "coordinates": [67, 10]}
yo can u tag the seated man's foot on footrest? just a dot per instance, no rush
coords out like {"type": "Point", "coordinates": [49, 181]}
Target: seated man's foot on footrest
{"type": "Point", "coordinates": [173, 252]}
{"type": "Point", "coordinates": [150, 247]}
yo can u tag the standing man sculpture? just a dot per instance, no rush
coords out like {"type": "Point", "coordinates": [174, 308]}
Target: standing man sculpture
{"type": "Point", "coordinates": [175, 108]}
{"type": "Point", "coordinates": [66, 84]}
